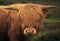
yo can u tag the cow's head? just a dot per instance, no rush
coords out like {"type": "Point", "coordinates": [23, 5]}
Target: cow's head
{"type": "Point", "coordinates": [43, 11]}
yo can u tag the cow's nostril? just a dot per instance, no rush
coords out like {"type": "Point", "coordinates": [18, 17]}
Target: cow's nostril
{"type": "Point", "coordinates": [32, 31]}
{"type": "Point", "coordinates": [26, 31]}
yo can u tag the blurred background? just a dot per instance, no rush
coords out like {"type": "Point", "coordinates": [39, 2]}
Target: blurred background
{"type": "Point", "coordinates": [51, 30]}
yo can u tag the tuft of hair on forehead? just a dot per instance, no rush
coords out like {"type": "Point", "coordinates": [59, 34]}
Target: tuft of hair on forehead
{"type": "Point", "coordinates": [29, 5]}
{"type": "Point", "coordinates": [32, 9]}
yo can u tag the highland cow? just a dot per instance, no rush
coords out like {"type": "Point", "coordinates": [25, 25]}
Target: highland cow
{"type": "Point", "coordinates": [22, 22]}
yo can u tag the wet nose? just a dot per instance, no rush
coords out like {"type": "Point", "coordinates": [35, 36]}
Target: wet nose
{"type": "Point", "coordinates": [29, 31]}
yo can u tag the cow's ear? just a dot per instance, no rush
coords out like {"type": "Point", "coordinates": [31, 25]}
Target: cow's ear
{"type": "Point", "coordinates": [11, 9]}
{"type": "Point", "coordinates": [44, 10]}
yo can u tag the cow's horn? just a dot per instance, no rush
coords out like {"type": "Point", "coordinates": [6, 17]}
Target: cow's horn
{"type": "Point", "coordinates": [48, 6]}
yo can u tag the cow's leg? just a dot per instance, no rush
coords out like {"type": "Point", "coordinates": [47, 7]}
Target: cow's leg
{"type": "Point", "coordinates": [13, 33]}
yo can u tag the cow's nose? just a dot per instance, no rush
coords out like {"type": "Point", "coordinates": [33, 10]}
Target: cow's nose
{"type": "Point", "coordinates": [29, 31]}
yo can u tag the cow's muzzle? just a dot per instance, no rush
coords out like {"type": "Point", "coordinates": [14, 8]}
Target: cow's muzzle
{"type": "Point", "coordinates": [30, 31]}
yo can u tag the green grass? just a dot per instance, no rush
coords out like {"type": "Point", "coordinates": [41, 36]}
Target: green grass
{"type": "Point", "coordinates": [35, 38]}
{"type": "Point", "coordinates": [51, 21]}
{"type": "Point", "coordinates": [47, 36]}
{"type": "Point", "coordinates": [52, 24]}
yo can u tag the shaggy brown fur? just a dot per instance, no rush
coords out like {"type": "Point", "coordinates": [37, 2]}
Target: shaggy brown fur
{"type": "Point", "coordinates": [18, 25]}
{"type": "Point", "coordinates": [6, 18]}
